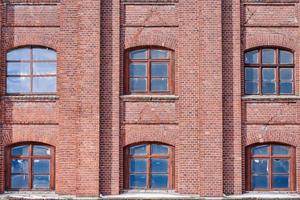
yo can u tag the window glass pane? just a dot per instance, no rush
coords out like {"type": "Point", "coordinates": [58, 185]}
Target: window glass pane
{"type": "Point", "coordinates": [18, 54]}
{"type": "Point", "coordinates": [20, 151]}
{"type": "Point", "coordinates": [286, 88]}
{"type": "Point", "coordinates": [44, 68]}
{"type": "Point", "coordinates": [137, 181]}
{"type": "Point", "coordinates": [280, 150]}
{"type": "Point", "coordinates": [43, 54]}
{"type": "Point", "coordinates": [280, 181]}
{"type": "Point", "coordinates": [251, 74]}
{"type": "Point", "coordinates": [251, 87]}
{"type": "Point", "coordinates": [41, 166]}
{"type": "Point", "coordinates": [138, 150]}
{"type": "Point", "coordinates": [138, 84]}
{"type": "Point", "coordinates": [18, 68]}
{"type": "Point", "coordinates": [268, 88]}
{"type": "Point", "coordinates": [159, 54]}
{"type": "Point", "coordinates": [268, 56]}
{"type": "Point", "coordinates": [286, 74]}
{"type": "Point", "coordinates": [280, 166]}
{"type": "Point", "coordinates": [41, 150]}
{"type": "Point", "coordinates": [251, 57]}
{"type": "Point", "coordinates": [19, 181]}
{"type": "Point", "coordinates": [41, 182]}
{"type": "Point", "coordinates": [259, 166]}
{"type": "Point", "coordinates": [260, 150]}
{"type": "Point", "coordinates": [159, 84]}
{"type": "Point", "coordinates": [159, 149]}
{"type": "Point", "coordinates": [268, 74]}
{"type": "Point", "coordinates": [259, 182]}
{"type": "Point", "coordinates": [285, 57]}
{"type": "Point", "coordinates": [159, 69]}
{"type": "Point", "coordinates": [138, 69]}
{"type": "Point", "coordinates": [44, 84]}
{"type": "Point", "coordinates": [159, 165]}
{"type": "Point", "coordinates": [19, 166]}
{"type": "Point", "coordinates": [159, 181]}
{"type": "Point", "coordinates": [138, 54]}
{"type": "Point", "coordinates": [18, 85]}
{"type": "Point", "coordinates": [138, 165]}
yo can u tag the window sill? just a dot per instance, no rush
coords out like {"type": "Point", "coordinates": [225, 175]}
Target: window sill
{"type": "Point", "coordinates": [149, 98]}
{"type": "Point", "coordinates": [270, 98]}
{"type": "Point", "coordinates": [26, 98]}
{"type": "Point", "coordinates": [145, 194]}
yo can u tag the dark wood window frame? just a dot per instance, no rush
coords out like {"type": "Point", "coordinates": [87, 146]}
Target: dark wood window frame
{"type": "Point", "coordinates": [277, 66]}
{"type": "Point", "coordinates": [30, 157]}
{"type": "Point", "coordinates": [292, 168]}
{"type": "Point", "coordinates": [148, 91]}
{"type": "Point", "coordinates": [31, 75]}
{"type": "Point", "coordinates": [148, 157]}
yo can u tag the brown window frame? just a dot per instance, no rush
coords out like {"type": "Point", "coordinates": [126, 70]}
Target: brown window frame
{"type": "Point", "coordinates": [148, 91]}
{"type": "Point", "coordinates": [31, 75]}
{"type": "Point", "coordinates": [292, 172]}
{"type": "Point", "coordinates": [30, 159]}
{"type": "Point", "coordinates": [277, 66]}
{"type": "Point", "coordinates": [148, 156]}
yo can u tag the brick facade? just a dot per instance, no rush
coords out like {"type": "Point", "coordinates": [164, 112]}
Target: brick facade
{"type": "Point", "coordinates": [208, 120]}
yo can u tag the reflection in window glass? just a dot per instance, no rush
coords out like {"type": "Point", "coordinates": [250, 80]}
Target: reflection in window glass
{"type": "Point", "coordinates": [286, 57]}
{"type": "Point", "coordinates": [44, 68]}
{"type": "Point", "coordinates": [18, 84]}
{"type": "Point", "coordinates": [41, 182]}
{"type": "Point", "coordinates": [159, 181]}
{"type": "Point", "coordinates": [280, 181]}
{"type": "Point", "coordinates": [159, 54]}
{"type": "Point", "coordinates": [18, 68]}
{"type": "Point", "coordinates": [43, 54]}
{"type": "Point", "coordinates": [280, 150]}
{"type": "Point", "coordinates": [137, 181]}
{"type": "Point", "coordinates": [41, 150]}
{"type": "Point", "coordinates": [268, 56]}
{"type": "Point", "coordinates": [19, 182]}
{"type": "Point", "coordinates": [138, 54]}
{"type": "Point", "coordinates": [259, 182]}
{"type": "Point", "coordinates": [42, 84]}
{"type": "Point", "coordinates": [260, 150]}
{"type": "Point", "coordinates": [159, 84]}
{"type": "Point", "coordinates": [159, 149]}
{"type": "Point", "coordinates": [41, 166]}
{"type": "Point", "coordinates": [138, 150]}
{"type": "Point", "coordinates": [138, 70]}
{"type": "Point", "coordinates": [138, 165]}
{"type": "Point", "coordinates": [18, 55]}
{"type": "Point", "coordinates": [251, 57]}
{"type": "Point", "coordinates": [138, 84]}
{"type": "Point", "coordinates": [20, 150]}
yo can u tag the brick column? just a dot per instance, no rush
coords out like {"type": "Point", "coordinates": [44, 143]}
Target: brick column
{"type": "Point", "coordinates": [2, 89]}
{"type": "Point", "coordinates": [210, 113]}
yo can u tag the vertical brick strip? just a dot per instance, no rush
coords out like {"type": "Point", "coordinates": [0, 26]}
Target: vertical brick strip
{"type": "Point", "coordinates": [211, 99]}
{"type": "Point", "coordinates": [109, 98]}
{"type": "Point", "coordinates": [89, 95]}
{"type": "Point", "coordinates": [232, 143]}
{"type": "Point", "coordinates": [2, 160]}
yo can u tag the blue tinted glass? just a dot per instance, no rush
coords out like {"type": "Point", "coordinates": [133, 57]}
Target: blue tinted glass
{"type": "Point", "coordinates": [259, 166]}
{"type": "Point", "coordinates": [19, 166]}
{"type": "Point", "coordinates": [259, 182]}
{"type": "Point", "coordinates": [269, 88]}
{"type": "Point", "coordinates": [138, 150]}
{"type": "Point", "coordinates": [138, 165]}
{"type": "Point", "coordinates": [159, 54]}
{"type": "Point", "coordinates": [286, 88]}
{"type": "Point", "coordinates": [138, 69]}
{"type": "Point", "coordinates": [251, 88]}
{"type": "Point", "coordinates": [138, 84]}
{"type": "Point", "coordinates": [41, 150]}
{"type": "Point", "coordinates": [19, 181]}
{"type": "Point", "coordinates": [251, 74]}
{"type": "Point", "coordinates": [44, 84]}
{"type": "Point", "coordinates": [18, 85]}
{"type": "Point", "coordinates": [280, 150]}
{"type": "Point", "coordinates": [18, 54]}
{"type": "Point", "coordinates": [268, 74]}
{"type": "Point", "coordinates": [285, 57]}
{"type": "Point", "coordinates": [43, 54]}
{"type": "Point", "coordinates": [286, 74]}
{"type": "Point", "coordinates": [159, 84]}
{"type": "Point", "coordinates": [44, 68]}
{"type": "Point", "coordinates": [159, 165]}
{"type": "Point", "coordinates": [268, 56]}
{"type": "Point", "coordinates": [251, 57]}
{"type": "Point", "coordinates": [280, 166]}
{"type": "Point", "coordinates": [159, 69]}
{"type": "Point", "coordinates": [19, 151]}
{"type": "Point", "coordinates": [260, 150]}
{"type": "Point", "coordinates": [159, 181]}
{"type": "Point", "coordinates": [18, 68]}
{"type": "Point", "coordinates": [138, 54]}
{"type": "Point", "coordinates": [41, 166]}
{"type": "Point", "coordinates": [159, 149]}
{"type": "Point", "coordinates": [280, 181]}
{"type": "Point", "coordinates": [41, 182]}
{"type": "Point", "coordinates": [137, 181]}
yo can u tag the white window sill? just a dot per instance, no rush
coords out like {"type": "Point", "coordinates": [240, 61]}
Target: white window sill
{"type": "Point", "coordinates": [266, 195]}
{"type": "Point", "coordinates": [269, 97]}
{"type": "Point", "coordinates": [148, 98]}
{"type": "Point", "coordinates": [29, 98]}
{"type": "Point", "coordinates": [150, 195]}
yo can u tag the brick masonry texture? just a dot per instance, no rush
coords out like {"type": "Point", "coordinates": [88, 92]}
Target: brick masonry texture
{"type": "Point", "coordinates": [91, 121]}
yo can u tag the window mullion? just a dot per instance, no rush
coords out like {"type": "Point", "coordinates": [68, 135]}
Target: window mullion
{"type": "Point", "coordinates": [30, 168]}
{"type": "Point", "coordinates": [31, 70]}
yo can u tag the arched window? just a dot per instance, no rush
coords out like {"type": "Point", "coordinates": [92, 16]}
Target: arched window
{"type": "Point", "coordinates": [271, 167]}
{"type": "Point", "coordinates": [30, 167]}
{"type": "Point", "coordinates": [148, 71]}
{"type": "Point", "coordinates": [31, 70]}
{"type": "Point", "coordinates": [269, 71]}
{"type": "Point", "coordinates": [149, 166]}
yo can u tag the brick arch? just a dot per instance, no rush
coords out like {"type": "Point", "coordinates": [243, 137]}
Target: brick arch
{"type": "Point", "coordinates": [269, 40]}
{"type": "Point", "coordinates": [280, 137]}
